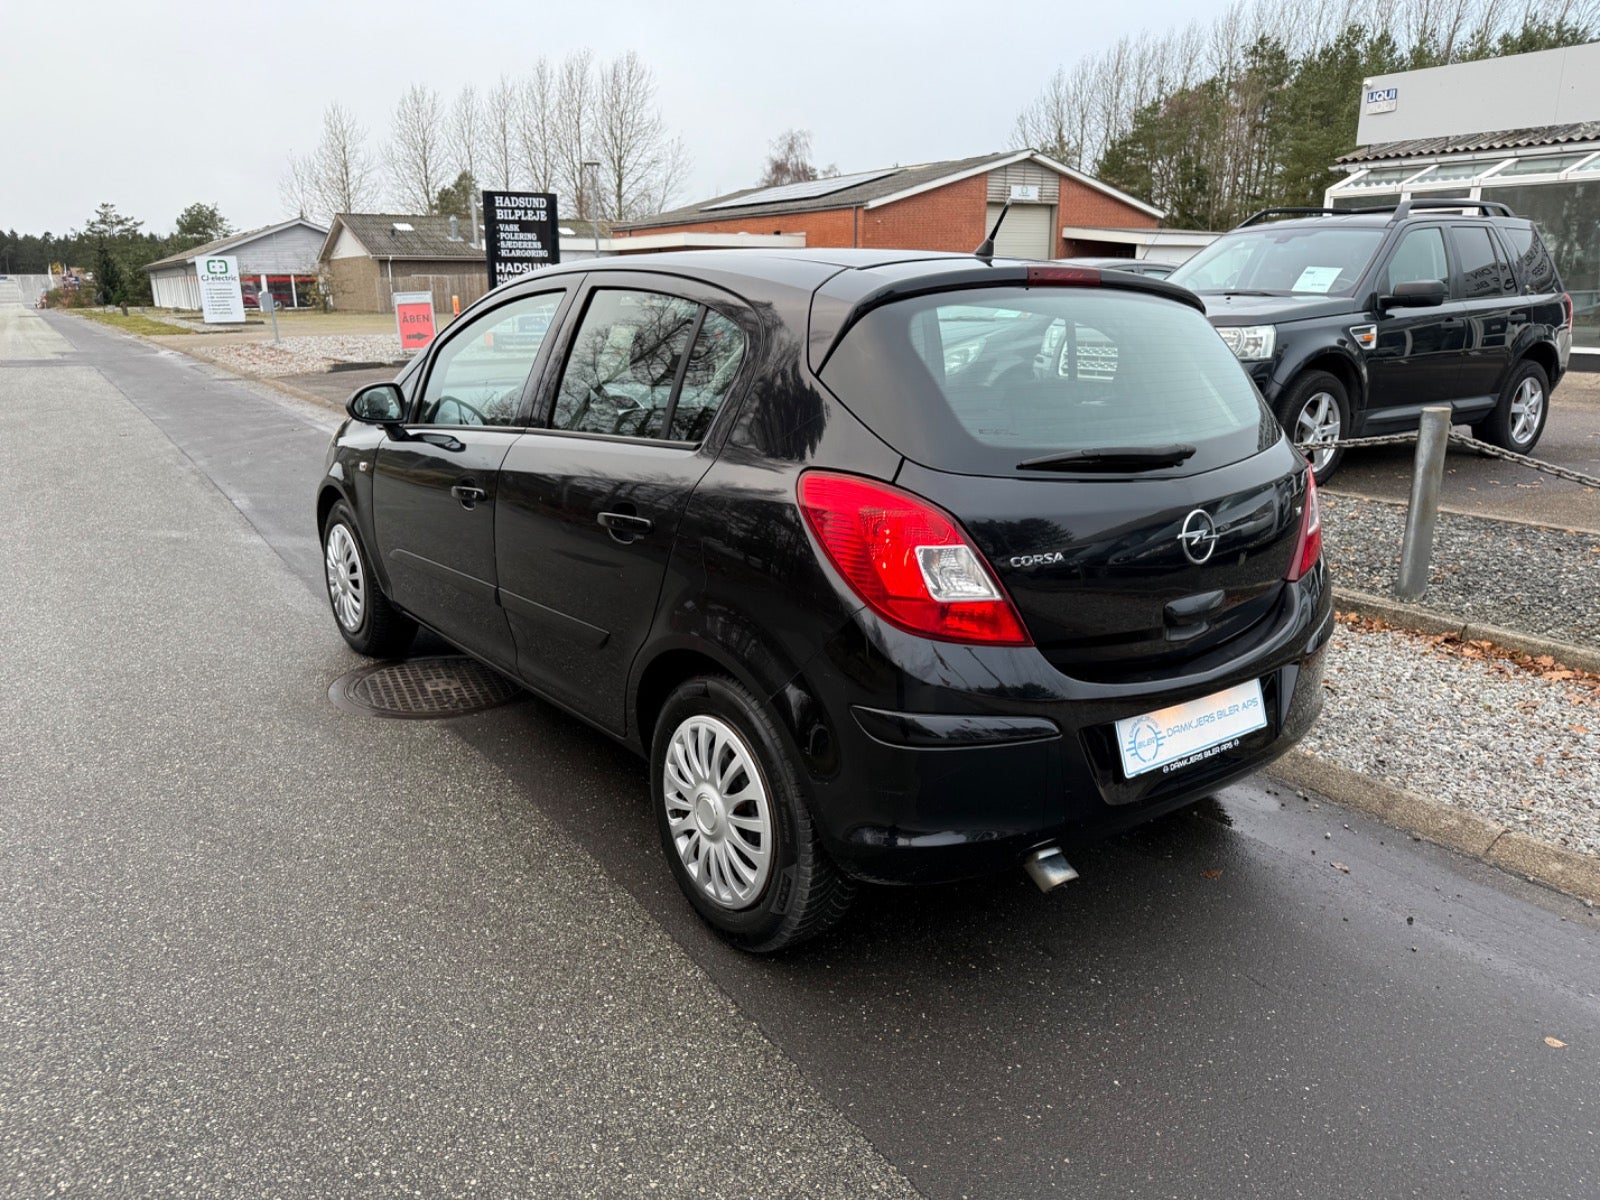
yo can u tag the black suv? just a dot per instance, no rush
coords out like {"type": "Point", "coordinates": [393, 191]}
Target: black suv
{"type": "Point", "coordinates": [898, 568]}
{"type": "Point", "coordinates": [1351, 323]}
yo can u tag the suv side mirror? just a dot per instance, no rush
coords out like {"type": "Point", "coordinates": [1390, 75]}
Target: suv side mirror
{"type": "Point", "coordinates": [377, 404]}
{"type": "Point", "coordinates": [1415, 293]}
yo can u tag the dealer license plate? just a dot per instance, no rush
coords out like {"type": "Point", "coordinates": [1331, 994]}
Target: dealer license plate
{"type": "Point", "coordinates": [1189, 733]}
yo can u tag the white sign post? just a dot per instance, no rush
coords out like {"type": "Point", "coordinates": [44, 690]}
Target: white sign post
{"type": "Point", "coordinates": [221, 299]}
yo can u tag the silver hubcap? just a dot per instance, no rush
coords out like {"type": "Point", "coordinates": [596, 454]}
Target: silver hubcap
{"type": "Point", "coordinates": [1527, 406]}
{"type": "Point", "coordinates": [1318, 422]}
{"type": "Point", "coordinates": [347, 586]}
{"type": "Point", "coordinates": [717, 811]}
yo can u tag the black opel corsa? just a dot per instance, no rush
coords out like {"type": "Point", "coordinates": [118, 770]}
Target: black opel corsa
{"type": "Point", "coordinates": [898, 567]}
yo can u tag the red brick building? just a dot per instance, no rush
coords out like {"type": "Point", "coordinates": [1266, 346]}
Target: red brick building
{"type": "Point", "coordinates": [930, 206]}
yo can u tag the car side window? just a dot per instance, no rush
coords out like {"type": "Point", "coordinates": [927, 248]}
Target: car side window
{"type": "Point", "coordinates": [1420, 255]}
{"type": "Point", "coordinates": [714, 362]}
{"type": "Point", "coordinates": [1480, 270]}
{"type": "Point", "coordinates": [477, 377]}
{"type": "Point", "coordinates": [623, 365]}
{"type": "Point", "coordinates": [1538, 272]}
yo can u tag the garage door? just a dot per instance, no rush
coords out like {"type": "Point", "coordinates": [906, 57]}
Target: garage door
{"type": "Point", "coordinates": [1028, 232]}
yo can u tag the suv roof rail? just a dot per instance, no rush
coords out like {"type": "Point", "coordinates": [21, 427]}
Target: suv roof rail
{"type": "Point", "coordinates": [1489, 208]}
{"type": "Point", "coordinates": [1262, 215]}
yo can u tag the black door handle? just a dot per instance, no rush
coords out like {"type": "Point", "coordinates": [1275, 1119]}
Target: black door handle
{"type": "Point", "coordinates": [1452, 322]}
{"type": "Point", "coordinates": [625, 526]}
{"type": "Point", "coordinates": [468, 494]}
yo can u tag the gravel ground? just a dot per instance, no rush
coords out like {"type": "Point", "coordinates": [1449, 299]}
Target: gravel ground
{"type": "Point", "coordinates": [1534, 580]}
{"type": "Point", "coordinates": [302, 355]}
{"type": "Point", "coordinates": [1517, 746]}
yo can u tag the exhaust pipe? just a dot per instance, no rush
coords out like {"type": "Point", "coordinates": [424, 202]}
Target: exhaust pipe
{"type": "Point", "coordinates": [1048, 868]}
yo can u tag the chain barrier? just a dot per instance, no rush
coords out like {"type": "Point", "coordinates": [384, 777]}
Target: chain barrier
{"type": "Point", "coordinates": [1459, 439]}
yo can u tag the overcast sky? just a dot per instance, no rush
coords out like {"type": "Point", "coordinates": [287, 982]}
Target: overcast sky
{"type": "Point", "coordinates": [154, 105]}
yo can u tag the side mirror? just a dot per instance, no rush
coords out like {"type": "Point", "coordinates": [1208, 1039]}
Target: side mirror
{"type": "Point", "coordinates": [1415, 293]}
{"type": "Point", "coordinates": [377, 404]}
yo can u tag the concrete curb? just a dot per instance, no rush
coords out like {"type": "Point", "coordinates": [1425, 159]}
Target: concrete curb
{"type": "Point", "coordinates": [1422, 620]}
{"type": "Point", "coordinates": [1444, 824]}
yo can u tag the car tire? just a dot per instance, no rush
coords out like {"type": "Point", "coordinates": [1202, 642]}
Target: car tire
{"type": "Point", "coordinates": [362, 612]}
{"type": "Point", "coordinates": [1518, 420]}
{"type": "Point", "coordinates": [1315, 408]}
{"type": "Point", "coordinates": [726, 791]}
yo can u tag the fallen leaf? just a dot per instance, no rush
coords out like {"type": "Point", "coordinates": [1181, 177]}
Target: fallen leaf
{"type": "Point", "coordinates": [1554, 1043]}
{"type": "Point", "coordinates": [1338, 866]}
{"type": "Point", "coordinates": [1580, 729]}
{"type": "Point", "coordinates": [1212, 873]}
{"type": "Point", "coordinates": [1559, 675]}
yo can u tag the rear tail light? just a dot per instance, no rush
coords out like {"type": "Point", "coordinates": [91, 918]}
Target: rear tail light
{"type": "Point", "coordinates": [909, 561]}
{"type": "Point", "coordinates": [1566, 307]}
{"type": "Point", "coordinates": [1310, 547]}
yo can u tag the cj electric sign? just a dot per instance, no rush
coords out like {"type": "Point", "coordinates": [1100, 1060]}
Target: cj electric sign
{"type": "Point", "coordinates": [1381, 100]}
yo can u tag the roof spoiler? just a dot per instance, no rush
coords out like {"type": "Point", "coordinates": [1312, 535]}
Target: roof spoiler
{"type": "Point", "coordinates": [1489, 208]}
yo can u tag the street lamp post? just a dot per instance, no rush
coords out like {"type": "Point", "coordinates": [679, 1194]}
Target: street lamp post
{"type": "Point", "coordinates": [594, 193]}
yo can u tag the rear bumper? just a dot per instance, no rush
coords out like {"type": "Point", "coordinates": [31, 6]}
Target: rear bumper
{"type": "Point", "coordinates": [976, 764]}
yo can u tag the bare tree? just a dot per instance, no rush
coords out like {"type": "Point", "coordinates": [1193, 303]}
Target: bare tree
{"type": "Point", "coordinates": [297, 186]}
{"type": "Point", "coordinates": [466, 138]}
{"type": "Point", "coordinates": [572, 125]}
{"type": "Point", "coordinates": [536, 126]}
{"type": "Point", "coordinates": [789, 160]}
{"type": "Point", "coordinates": [500, 134]}
{"type": "Point", "coordinates": [338, 176]}
{"type": "Point", "coordinates": [640, 162]}
{"type": "Point", "coordinates": [1047, 124]}
{"type": "Point", "coordinates": [466, 132]}
{"type": "Point", "coordinates": [417, 155]}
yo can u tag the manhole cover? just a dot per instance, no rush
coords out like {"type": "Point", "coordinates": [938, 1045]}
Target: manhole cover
{"type": "Point", "coordinates": [423, 688]}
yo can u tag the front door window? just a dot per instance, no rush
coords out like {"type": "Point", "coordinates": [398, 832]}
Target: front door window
{"type": "Point", "coordinates": [478, 375]}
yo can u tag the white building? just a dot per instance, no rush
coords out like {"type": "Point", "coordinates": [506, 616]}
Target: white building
{"type": "Point", "coordinates": [281, 259]}
{"type": "Point", "coordinates": [1523, 130]}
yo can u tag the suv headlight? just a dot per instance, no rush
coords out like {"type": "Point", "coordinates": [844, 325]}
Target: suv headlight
{"type": "Point", "coordinates": [1250, 342]}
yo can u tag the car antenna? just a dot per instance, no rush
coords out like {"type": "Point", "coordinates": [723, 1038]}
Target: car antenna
{"type": "Point", "coordinates": [985, 249]}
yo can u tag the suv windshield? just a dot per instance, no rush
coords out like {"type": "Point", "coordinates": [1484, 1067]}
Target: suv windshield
{"type": "Point", "coordinates": [1282, 261]}
{"type": "Point", "coordinates": [980, 381]}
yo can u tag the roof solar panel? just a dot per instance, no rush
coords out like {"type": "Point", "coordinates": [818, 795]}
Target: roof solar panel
{"type": "Point", "coordinates": [808, 190]}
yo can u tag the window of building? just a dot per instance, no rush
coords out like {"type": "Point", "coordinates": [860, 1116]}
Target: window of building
{"type": "Point", "coordinates": [1449, 173]}
{"type": "Point", "coordinates": [1551, 164]}
{"type": "Point", "coordinates": [1565, 214]}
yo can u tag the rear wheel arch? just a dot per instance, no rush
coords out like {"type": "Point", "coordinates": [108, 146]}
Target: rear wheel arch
{"type": "Point", "coordinates": [791, 703]}
{"type": "Point", "coordinates": [1545, 355]}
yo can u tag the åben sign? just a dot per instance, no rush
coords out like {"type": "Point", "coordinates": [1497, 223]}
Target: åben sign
{"type": "Point", "coordinates": [413, 317]}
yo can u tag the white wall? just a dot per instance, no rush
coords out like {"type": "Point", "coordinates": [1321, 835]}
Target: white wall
{"type": "Point", "coordinates": [1548, 87]}
{"type": "Point", "coordinates": [291, 251]}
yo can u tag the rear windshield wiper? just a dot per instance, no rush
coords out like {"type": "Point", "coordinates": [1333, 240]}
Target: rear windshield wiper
{"type": "Point", "coordinates": [1111, 458]}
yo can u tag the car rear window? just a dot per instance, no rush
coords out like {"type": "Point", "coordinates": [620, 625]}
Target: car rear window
{"type": "Point", "coordinates": [978, 381]}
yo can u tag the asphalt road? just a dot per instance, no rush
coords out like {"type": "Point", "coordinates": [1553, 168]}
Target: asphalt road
{"type": "Point", "coordinates": [1489, 487]}
{"type": "Point", "coordinates": [255, 945]}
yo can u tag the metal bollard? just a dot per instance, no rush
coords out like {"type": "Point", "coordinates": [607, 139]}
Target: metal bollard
{"type": "Point", "coordinates": [1427, 477]}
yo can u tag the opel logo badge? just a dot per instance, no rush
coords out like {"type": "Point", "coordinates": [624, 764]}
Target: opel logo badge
{"type": "Point", "coordinates": [1198, 536]}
